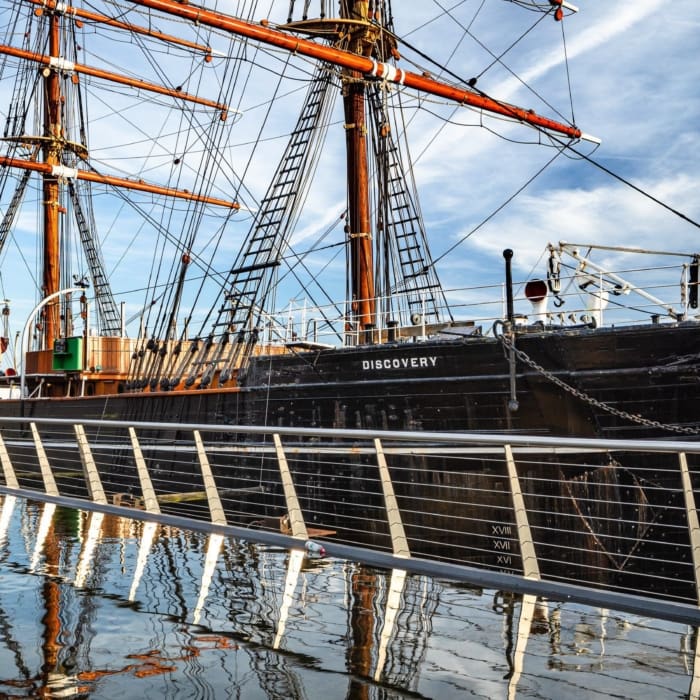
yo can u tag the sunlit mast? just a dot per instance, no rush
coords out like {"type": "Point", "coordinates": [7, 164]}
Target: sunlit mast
{"type": "Point", "coordinates": [357, 36]}
{"type": "Point", "coordinates": [55, 147]}
{"type": "Point", "coordinates": [356, 33]}
{"type": "Point", "coordinates": [362, 42]}
{"type": "Point", "coordinates": [52, 157]}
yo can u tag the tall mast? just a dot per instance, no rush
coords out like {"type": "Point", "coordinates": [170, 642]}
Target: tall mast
{"type": "Point", "coordinates": [360, 235]}
{"type": "Point", "coordinates": [52, 157]}
{"type": "Point", "coordinates": [54, 144]}
{"type": "Point", "coordinates": [354, 42]}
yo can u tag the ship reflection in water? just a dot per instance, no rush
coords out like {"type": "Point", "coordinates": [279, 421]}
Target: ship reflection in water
{"type": "Point", "coordinates": [101, 607]}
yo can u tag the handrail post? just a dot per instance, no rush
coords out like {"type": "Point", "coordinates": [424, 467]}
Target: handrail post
{"type": "Point", "coordinates": [46, 473]}
{"type": "Point", "coordinates": [531, 568]}
{"type": "Point", "coordinates": [296, 517]}
{"type": "Point", "coordinates": [92, 476]}
{"type": "Point", "coordinates": [393, 514]}
{"type": "Point", "coordinates": [7, 469]}
{"type": "Point", "coordinates": [216, 509]}
{"type": "Point", "coordinates": [149, 495]}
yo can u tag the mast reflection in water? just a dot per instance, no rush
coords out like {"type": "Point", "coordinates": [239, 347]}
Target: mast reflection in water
{"type": "Point", "coordinates": [102, 607]}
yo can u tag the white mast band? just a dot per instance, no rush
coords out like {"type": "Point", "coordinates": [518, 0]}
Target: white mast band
{"type": "Point", "coordinates": [61, 63]}
{"type": "Point", "coordinates": [64, 171]}
{"type": "Point", "coordinates": [389, 73]}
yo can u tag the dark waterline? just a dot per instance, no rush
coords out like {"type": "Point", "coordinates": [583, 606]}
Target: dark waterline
{"type": "Point", "coordinates": [82, 614]}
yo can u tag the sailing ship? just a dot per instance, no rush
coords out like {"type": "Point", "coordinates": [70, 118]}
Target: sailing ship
{"type": "Point", "coordinates": [215, 341]}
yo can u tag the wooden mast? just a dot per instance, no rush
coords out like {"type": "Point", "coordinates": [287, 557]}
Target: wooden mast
{"type": "Point", "coordinates": [52, 157]}
{"type": "Point", "coordinates": [360, 231]}
{"type": "Point", "coordinates": [53, 145]}
{"type": "Point", "coordinates": [354, 51]}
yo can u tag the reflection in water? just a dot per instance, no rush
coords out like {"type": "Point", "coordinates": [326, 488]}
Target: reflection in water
{"type": "Point", "coordinates": [97, 606]}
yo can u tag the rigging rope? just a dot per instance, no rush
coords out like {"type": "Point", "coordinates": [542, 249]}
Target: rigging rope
{"type": "Point", "coordinates": [624, 181]}
{"type": "Point", "coordinates": [500, 207]}
{"type": "Point", "coordinates": [568, 146]}
{"type": "Point", "coordinates": [497, 59]}
{"type": "Point", "coordinates": [568, 72]}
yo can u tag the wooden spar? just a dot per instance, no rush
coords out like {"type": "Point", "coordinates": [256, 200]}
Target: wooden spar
{"type": "Point", "coordinates": [367, 67]}
{"type": "Point", "coordinates": [55, 6]}
{"type": "Point", "coordinates": [55, 173]}
{"type": "Point", "coordinates": [360, 235]}
{"type": "Point", "coordinates": [54, 61]}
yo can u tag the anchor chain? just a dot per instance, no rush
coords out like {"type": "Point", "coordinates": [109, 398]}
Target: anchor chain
{"type": "Point", "coordinates": [509, 345]}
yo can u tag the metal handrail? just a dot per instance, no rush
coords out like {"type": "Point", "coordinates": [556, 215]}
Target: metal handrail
{"type": "Point", "coordinates": [608, 517]}
{"type": "Point", "coordinates": [465, 438]}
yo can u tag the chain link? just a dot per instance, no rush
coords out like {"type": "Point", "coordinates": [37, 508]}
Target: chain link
{"type": "Point", "coordinates": [633, 417]}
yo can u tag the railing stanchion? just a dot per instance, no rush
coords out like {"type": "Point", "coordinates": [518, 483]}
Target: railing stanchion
{"type": "Point", "coordinates": [216, 510]}
{"type": "Point", "coordinates": [92, 476]}
{"type": "Point", "coordinates": [531, 568]}
{"type": "Point", "coordinates": [692, 514]}
{"type": "Point", "coordinates": [393, 514]}
{"type": "Point", "coordinates": [7, 469]}
{"type": "Point", "coordinates": [46, 473]}
{"type": "Point", "coordinates": [150, 500]}
{"type": "Point", "coordinates": [296, 517]}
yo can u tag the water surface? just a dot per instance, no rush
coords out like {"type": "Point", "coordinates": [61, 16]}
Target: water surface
{"type": "Point", "coordinates": [104, 607]}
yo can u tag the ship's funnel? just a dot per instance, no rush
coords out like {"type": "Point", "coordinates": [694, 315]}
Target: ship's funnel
{"type": "Point", "coordinates": [536, 292]}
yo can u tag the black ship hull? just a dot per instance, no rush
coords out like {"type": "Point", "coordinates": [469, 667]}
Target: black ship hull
{"type": "Point", "coordinates": [638, 382]}
{"type": "Point", "coordinates": [607, 383]}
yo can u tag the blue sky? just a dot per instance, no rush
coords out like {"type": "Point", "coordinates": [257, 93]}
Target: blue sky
{"type": "Point", "coordinates": [632, 75]}
{"type": "Point", "coordinates": [633, 82]}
